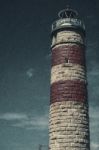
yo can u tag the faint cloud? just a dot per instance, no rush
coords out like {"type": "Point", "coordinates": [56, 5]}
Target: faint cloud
{"type": "Point", "coordinates": [94, 72]}
{"type": "Point", "coordinates": [94, 146]}
{"type": "Point", "coordinates": [92, 45]}
{"type": "Point", "coordinates": [94, 112]}
{"type": "Point", "coordinates": [48, 56]}
{"type": "Point", "coordinates": [22, 120]}
{"type": "Point", "coordinates": [94, 121]}
{"type": "Point", "coordinates": [13, 116]}
{"type": "Point", "coordinates": [30, 72]}
{"type": "Point", "coordinates": [40, 122]}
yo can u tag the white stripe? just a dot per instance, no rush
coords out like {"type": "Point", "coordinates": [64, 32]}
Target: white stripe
{"type": "Point", "coordinates": [69, 125]}
{"type": "Point", "coordinates": [67, 36]}
{"type": "Point", "coordinates": [67, 72]}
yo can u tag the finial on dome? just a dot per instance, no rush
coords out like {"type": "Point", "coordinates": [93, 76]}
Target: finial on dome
{"type": "Point", "coordinates": [68, 13]}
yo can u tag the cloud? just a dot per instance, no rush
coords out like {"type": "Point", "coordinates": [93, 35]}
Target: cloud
{"type": "Point", "coordinates": [30, 72]}
{"type": "Point", "coordinates": [94, 122]}
{"type": "Point", "coordinates": [39, 122]}
{"type": "Point", "coordinates": [94, 72]}
{"type": "Point", "coordinates": [94, 146]}
{"type": "Point", "coordinates": [92, 45]}
{"type": "Point", "coordinates": [48, 56]}
{"type": "Point", "coordinates": [13, 116]}
{"type": "Point", "coordinates": [94, 112]}
{"type": "Point", "coordinates": [21, 120]}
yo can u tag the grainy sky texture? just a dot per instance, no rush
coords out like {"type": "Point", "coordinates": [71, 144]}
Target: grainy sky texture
{"type": "Point", "coordinates": [25, 69]}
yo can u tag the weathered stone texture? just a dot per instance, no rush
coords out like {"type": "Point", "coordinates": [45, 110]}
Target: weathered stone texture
{"type": "Point", "coordinates": [67, 72]}
{"type": "Point", "coordinates": [69, 120]}
{"type": "Point", "coordinates": [68, 90]}
{"type": "Point", "coordinates": [74, 53]}
{"type": "Point", "coordinates": [69, 126]}
{"type": "Point", "coordinates": [67, 36]}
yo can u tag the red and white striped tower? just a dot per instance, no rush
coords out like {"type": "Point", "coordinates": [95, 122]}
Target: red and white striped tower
{"type": "Point", "coordinates": [69, 121]}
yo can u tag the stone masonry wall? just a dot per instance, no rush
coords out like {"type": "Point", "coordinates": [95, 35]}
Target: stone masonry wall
{"type": "Point", "coordinates": [69, 121]}
{"type": "Point", "coordinates": [67, 72]}
{"type": "Point", "coordinates": [67, 36]}
{"type": "Point", "coordinates": [69, 129]}
{"type": "Point", "coordinates": [73, 52]}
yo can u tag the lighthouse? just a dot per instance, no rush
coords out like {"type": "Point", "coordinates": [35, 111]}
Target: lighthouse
{"type": "Point", "coordinates": [68, 118]}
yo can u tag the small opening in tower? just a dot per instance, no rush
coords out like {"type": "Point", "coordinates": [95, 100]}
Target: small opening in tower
{"type": "Point", "coordinates": [66, 60]}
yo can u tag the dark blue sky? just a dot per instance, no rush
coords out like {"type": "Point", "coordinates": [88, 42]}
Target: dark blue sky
{"type": "Point", "coordinates": [25, 69]}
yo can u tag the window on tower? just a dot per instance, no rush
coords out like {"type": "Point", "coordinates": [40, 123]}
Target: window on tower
{"type": "Point", "coordinates": [66, 60]}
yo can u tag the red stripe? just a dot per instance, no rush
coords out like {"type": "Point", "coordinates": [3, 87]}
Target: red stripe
{"type": "Point", "coordinates": [74, 53]}
{"type": "Point", "coordinates": [68, 91]}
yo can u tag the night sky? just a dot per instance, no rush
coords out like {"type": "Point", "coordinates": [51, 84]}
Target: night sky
{"type": "Point", "coordinates": [25, 59]}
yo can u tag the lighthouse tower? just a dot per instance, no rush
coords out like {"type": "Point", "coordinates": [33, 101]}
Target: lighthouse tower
{"type": "Point", "coordinates": [69, 121]}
